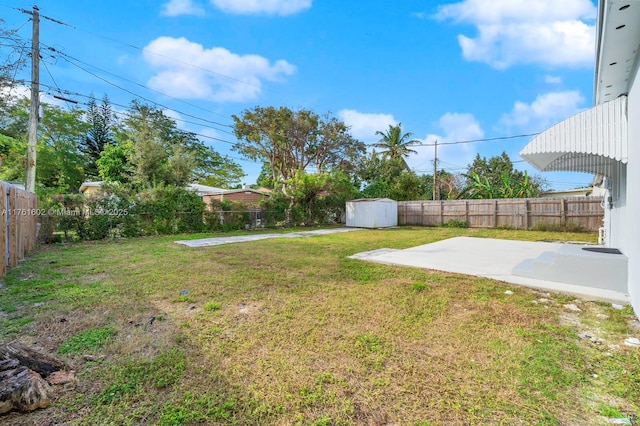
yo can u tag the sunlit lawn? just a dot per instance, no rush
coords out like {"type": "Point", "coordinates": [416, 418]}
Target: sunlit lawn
{"type": "Point", "coordinates": [291, 331]}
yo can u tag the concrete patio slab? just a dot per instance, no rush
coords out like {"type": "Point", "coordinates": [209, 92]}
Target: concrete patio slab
{"type": "Point", "coordinates": [490, 258]}
{"type": "Point", "coordinates": [215, 241]}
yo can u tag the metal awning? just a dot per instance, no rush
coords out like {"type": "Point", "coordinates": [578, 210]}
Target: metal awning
{"type": "Point", "coordinates": [592, 141]}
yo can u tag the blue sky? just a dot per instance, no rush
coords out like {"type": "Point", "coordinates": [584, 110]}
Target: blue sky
{"type": "Point", "coordinates": [449, 71]}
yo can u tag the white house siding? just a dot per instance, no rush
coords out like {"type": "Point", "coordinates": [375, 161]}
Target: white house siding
{"type": "Point", "coordinates": [630, 243]}
{"type": "Point", "coordinates": [614, 218]}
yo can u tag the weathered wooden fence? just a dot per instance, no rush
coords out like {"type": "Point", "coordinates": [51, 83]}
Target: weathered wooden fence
{"type": "Point", "coordinates": [19, 211]}
{"type": "Point", "coordinates": [517, 213]}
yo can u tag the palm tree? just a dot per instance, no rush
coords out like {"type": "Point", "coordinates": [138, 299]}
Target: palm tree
{"type": "Point", "coordinates": [395, 145]}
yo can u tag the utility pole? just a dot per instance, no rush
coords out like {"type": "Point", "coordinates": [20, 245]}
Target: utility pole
{"type": "Point", "coordinates": [436, 194]}
{"type": "Point", "coordinates": [34, 106]}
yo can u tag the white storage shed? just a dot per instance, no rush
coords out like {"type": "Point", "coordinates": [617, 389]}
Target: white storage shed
{"type": "Point", "coordinates": [372, 213]}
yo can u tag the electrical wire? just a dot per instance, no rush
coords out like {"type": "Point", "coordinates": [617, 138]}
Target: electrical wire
{"type": "Point", "coordinates": [137, 84]}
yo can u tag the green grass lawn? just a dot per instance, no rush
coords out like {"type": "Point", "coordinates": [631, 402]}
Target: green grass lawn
{"type": "Point", "coordinates": [292, 332]}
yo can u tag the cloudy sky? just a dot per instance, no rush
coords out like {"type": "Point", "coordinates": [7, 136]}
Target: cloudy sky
{"type": "Point", "coordinates": [449, 71]}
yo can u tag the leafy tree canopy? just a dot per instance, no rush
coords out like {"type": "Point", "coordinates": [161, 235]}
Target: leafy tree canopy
{"type": "Point", "coordinates": [59, 164]}
{"type": "Point", "coordinates": [493, 169]}
{"type": "Point", "coordinates": [291, 141]}
{"type": "Point", "coordinates": [161, 154]}
{"type": "Point", "coordinates": [496, 178]}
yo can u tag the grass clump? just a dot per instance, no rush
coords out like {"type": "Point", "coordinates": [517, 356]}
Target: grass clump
{"type": "Point", "coordinates": [131, 378]}
{"type": "Point", "coordinates": [212, 306]}
{"type": "Point", "coordinates": [419, 286]}
{"type": "Point", "coordinates": [88, 340]}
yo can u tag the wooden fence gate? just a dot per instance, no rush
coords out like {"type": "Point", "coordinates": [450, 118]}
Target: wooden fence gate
{"type": "Point", "coordinates": [19, 210]}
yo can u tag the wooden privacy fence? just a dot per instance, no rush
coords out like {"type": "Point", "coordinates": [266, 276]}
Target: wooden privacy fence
{"type": "Point", "coordinates": [517, 213]}
{"type": "Point", "coordinates": [19, 210]}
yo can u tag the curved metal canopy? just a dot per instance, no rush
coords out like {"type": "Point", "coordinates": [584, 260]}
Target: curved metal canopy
{"type": "Point", "coordinates": [593, 141]}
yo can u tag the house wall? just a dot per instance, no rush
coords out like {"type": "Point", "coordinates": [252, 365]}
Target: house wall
{"type": "Point", "coordinates": [630, 243]}
{"type": "Point", "coordinates": [615, 217]}
{"type": "Point", "coordinates": [245, 197]}
{"type": "Point", "coordinates": [92, 191]}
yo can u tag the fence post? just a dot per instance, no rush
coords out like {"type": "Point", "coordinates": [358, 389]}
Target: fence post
{"type": "Point", "coordinates": [3, 229]}
{"type": "Point", "coordinates": [526, 214]}
{"type": "Point", "coordinates": [495, 214]}
{"type": "Point", "coordinates": [441, 213]}
{"type": "Point", "coordinates": [466, 212]}
{"type": "Point", "coordinates": [13, 260]}
{"type": "Point", "coordinates": [563, 211]}
{"type": "Point", "coordinates": [422, 213]}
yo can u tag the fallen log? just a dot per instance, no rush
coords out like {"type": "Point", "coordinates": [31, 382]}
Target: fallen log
{"type": "Point", "coordinates": [22, 389]}
{"type": "Point", "coordinates": [42, 364]}
{"type": "Point", "coordinates": [22, 373]}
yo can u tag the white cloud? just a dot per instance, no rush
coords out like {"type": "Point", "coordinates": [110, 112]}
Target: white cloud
{"type": "Point", "coordinates": [552, 79]}
{"type": "Point", "coordinates": [188, 70]}
{"type": "Point", "coordinates": [455, 127]}
{"type": "Point", "coordinates": [514, 32]}
{"type": "Point", "coordinates": [544, 111]}
{"type": "Point", "coordinates": [364, 126]}
{"type": "Point", "coordinates": [181, 7]}
{"type": "Point", "coordinates": [460, 127]}
{"type": "Point", "coordinates": [268, 7]}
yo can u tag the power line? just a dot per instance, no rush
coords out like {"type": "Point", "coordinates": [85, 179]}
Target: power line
{"type": "Point", "coordinates": [126, 114]}
{"type": "Point", "coordinates": [71, 58]}
{"type": "Point", "coordinates": [479, 140]}
{"type": "Point", "coordinates": [69, 93]}
{"type": "Point", "coordinates": [472, 140]}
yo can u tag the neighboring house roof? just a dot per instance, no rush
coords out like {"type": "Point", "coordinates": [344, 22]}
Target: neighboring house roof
{"type": "Point", "coordinates": [204, 189]}
{"type": "Point", "coordinates": [86, 185]}
{"type": "Point", "coordinates": [195, 187]}
{"type": "Point", "coordinates": [593, 191]}
{"type": "Point", "coordinates": [373, 200]}
{"type": "Point", "coordinates": [242, 191]}
{"type": "Point", "coordinates": [593, 141]}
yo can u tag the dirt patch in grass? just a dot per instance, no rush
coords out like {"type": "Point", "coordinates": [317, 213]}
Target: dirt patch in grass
{"type": "Point", "coordinates": [93, 278]}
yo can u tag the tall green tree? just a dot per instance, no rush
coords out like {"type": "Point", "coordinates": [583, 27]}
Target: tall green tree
{"type": "Point", "coordinates": [383, 177]}
{"type": "Point", "coordinates": [396, 145]}
{"type": "Point", "coordinates": [265, 178]}
{"type": "Point", "coordinates": [113, 164]}
{"type": "Point", "coordinates": [101, 120]}
{"type": "Point", "coordinates": [161, 154]}
{"type": "Point", "coordinates": [497, 178]}
{"type": "Point", "coordinates": [60, 165]}
{"type": "Point", "coordinates": [493, 169]}
{"type": "Point", "coordinates": [292, 141]}
{"type": "Point", "coordinates": [449, 185]}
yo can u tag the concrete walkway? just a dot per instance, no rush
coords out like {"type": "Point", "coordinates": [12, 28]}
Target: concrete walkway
{"type": "Point", "coordinates": [206, 242]}
{"type": "Point", "coordinates": [485, 257]}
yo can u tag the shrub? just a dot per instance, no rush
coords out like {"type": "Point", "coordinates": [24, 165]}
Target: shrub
{"type": "Point", "coordinates": [226, 216]}
{"type": "Point", "coordinates": [455, 223]}
{"type": "Point", "coordinates": [558, 227]}
{"type": "Point", "coordinates": [120, 211]}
